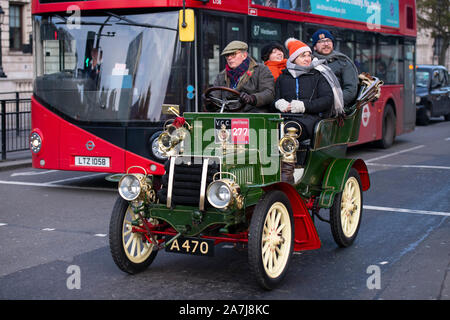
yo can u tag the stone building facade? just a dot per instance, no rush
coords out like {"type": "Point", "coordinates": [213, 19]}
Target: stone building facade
{"type": "Point", "coordinates": [425, 50]}
{"type": "Point", "coordinates": [16, 46]}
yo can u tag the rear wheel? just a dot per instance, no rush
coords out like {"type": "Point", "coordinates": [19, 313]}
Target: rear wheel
{"type": "Point", "coordinates": [389, 124]}
{"type": "Point", "coordinates": [346, 212]}
{"type": "Point", "coordinates": [131, 252]}
{"type": "Point", "coordinates": [271, 239]}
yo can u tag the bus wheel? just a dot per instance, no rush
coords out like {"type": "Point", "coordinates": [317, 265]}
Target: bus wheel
{"type": "Point", "coordinates": [389, 124]}
{"type": "Point", "coordinates": [271, 239]}
{"type": "Point", "coordinates": [131, 252]}
{"type": "Point", "coordinates": [346, 212]}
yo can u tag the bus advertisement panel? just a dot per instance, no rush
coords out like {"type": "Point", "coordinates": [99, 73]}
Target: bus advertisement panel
{"type": "Point", "coordinates": [385, 13]}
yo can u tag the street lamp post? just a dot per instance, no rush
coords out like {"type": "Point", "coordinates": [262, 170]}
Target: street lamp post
{"type": "Point", "coordinates": [2, 16]}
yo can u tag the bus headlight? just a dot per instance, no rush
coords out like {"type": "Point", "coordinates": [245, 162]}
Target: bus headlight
{"type": "Point", "coordinates": [154, 147]}
{"type": "Point", "coordinates": [130, 187]}
{"type": "Point", "coordinates": [35, 142]}
{"type": "Point", "coordinates": [224, 193]}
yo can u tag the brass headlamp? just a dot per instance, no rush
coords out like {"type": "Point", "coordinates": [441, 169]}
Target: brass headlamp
{"type": "Point", "coordinates": [170, 141]}
{"type": "Point", "coordinates": [136, 186]}
{"type": "Point", "coordinates": [224, 193]}
{"type": "Point", "coordinates": [289, 145]}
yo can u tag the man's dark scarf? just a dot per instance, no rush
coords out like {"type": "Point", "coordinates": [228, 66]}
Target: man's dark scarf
{"type": "Point", "coordinates": [235, 74]}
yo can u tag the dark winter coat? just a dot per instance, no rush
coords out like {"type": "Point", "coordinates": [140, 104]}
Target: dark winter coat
{"type": "Point", "coordinates": [258, 80]}
{"type": "Point", "coordinates": [314, 91]}
{"type": "Point", "coordinates": [346, 72]}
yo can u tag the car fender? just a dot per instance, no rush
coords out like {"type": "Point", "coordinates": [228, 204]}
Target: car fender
{"type": "Point", "coordinates": [335, 177]}
{"type": "Point", "coordinates": [306, 237]}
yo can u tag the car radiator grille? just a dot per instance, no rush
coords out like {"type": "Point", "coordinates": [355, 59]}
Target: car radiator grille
{"type": "Point", "coordinates": [187, 177]}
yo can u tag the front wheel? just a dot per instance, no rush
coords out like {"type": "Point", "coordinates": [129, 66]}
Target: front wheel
{"type": "Point", "coordinates": [346, 212]}
{"type": "Point", "coordinates": [131, 252]}
{"type": "Point", "coordinates": [271, 239]}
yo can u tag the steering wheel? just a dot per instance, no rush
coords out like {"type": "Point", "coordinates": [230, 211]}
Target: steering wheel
{"type": "Point", "coordinates": [224, 104]}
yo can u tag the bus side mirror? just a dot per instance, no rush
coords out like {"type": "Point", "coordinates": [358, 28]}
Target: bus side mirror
{"type": "Point", "coordinates": [186, 25]}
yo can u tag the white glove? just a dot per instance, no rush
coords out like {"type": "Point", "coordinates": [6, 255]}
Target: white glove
{"type": "Point", "coordinates": [282, 105]}
{"type": "Point", "coordinates": [297, 106]}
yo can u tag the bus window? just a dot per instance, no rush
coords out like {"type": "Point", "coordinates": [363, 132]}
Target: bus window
{"type": "Point", "coordinates": [262, 33]}
{"type": "Point", "coordinates": [234, 30]}
{"type": "Point", "coordinates": [365, 52]}
{"type": "Point", "coordinates": [387, 62]}
{"type": "Point", "coordinates": [294, 31]}
{"type": "Point", "coordinates": [210, 50]}
{"type": "Point", "coordinates": [59, 49]}
{"type": "Point", "coordinates": [345, 43]}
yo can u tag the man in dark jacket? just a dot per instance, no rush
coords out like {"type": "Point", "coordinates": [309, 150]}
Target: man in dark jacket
{"type": "Point", "coordinates": [254, 81]}
{"type": "Point", "coordinates": [342, 66]}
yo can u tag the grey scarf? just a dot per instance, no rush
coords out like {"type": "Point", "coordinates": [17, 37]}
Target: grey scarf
{"type": "Point", "coordinates": [319, 65]}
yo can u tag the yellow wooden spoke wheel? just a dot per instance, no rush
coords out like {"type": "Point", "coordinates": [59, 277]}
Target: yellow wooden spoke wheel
{"type": "Point", "coordinates": [131, 251]}
{"type": "Point", "coordinates": [346, 212]}
{"type": "Point", "coordinates": [136, 247]}
{"type": "Point", "coordinates": [271, 239]}
{"type": "Point", "coordinates": [276, 239]}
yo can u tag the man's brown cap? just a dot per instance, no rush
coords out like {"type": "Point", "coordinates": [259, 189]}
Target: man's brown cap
{"type": "Point", "coordinates": [234, 46]}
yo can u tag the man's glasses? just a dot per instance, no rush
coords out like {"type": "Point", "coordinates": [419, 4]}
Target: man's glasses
{"type": "Point", "coordinates": [323, 41]}
{"type": "Point", "coordinates": [232, 55]}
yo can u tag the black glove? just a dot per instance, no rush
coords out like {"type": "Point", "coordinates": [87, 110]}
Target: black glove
{"type": "Point", "coordinates": [207, 103]}
{"type": "Point", "coordinates": [205, 99]}
{"type": "Point", "coordinates": [247, 98]}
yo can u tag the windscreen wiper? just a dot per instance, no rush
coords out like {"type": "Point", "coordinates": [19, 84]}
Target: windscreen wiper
{"type": "Point", "coordinates": [81, 22]}
{"type": "Point", "coordinates": [137, 24]}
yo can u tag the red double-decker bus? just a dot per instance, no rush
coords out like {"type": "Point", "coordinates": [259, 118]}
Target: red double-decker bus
{"type": "Point", "coordinates": [108, 73]}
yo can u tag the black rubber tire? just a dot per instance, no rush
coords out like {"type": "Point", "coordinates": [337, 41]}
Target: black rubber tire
{"type": "Point", "coordinates": [116, 244]}
{"type": "Point", "coordinates": [447, 117]}
{"type": "Point", "coordinates": [255, 241]}
{"type": "Point", "coordinates": [389, 128]}
{"type": "Point", "coordinates": [423, 116]}
{"type": "Point", "coordinates": [335, 215]}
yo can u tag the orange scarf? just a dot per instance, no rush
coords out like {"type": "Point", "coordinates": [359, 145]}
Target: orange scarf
{"type": "Point", "coordinates": [276, 67]}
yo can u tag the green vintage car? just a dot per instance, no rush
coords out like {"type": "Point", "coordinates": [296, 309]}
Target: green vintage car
{"type": "Point", "coordinates": [222, 183]}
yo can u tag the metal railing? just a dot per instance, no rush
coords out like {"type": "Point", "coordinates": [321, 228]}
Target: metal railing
{"type": "Point", "coordinates": [15, 124]}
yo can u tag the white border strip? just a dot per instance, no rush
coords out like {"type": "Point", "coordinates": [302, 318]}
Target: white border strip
{"type": "Point", "coordinates": [395, 153]}
{"type": "Point", "coordinates": [433, 213]}
{"type": "Point", "coordinates": [49, 185]}
{"type": "Point", "coordinates": [407, 166]}
{"type": "Point", "coordinates": [77, 178]}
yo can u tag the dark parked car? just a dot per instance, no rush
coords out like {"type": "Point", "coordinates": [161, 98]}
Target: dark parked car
{"type": "Point", "coordinates": [432, 93]}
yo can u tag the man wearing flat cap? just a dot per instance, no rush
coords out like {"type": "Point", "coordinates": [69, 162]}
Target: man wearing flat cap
{"type": "Point", "coordinates": [254, 81]}
{"type": "Point", "coordinates": [342, 66]}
